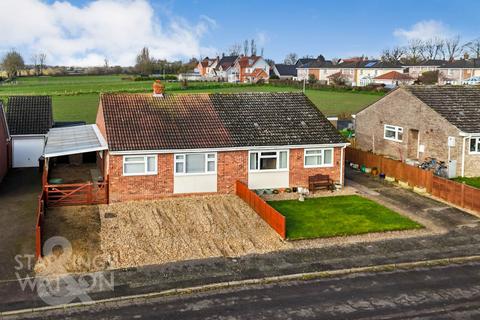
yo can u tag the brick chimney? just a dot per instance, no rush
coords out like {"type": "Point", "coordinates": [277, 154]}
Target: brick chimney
{"type": "Point", "coordinates": [158, 89]}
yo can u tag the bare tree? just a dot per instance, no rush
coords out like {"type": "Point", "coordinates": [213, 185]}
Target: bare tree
{"type": "Point", "coordinates": [453, 48]}
{"type": "Point", "coordinates": [253, 48]}
{"type": "Point", "coordinates": [12, 62]}
{"type": "Point", "coordinates": [291, 58]}
{"type": "Point", "coordinates": [393, 55]}
{"type": "Point", "coordinates": [245, 47]}
{"type": "Point", "coordinates": [42, 59]}
{"type": "Point", "coordinates": [473, 47]}
{"type": "Point", "coordinates": [34, 59]}
{"type": "Point", "coordinates": [235, 49]}
{"type": "Point", "coordinates": [415, 50]}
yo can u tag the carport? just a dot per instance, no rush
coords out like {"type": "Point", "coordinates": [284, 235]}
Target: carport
{"type": "Point", "coordinates": [67, 180]}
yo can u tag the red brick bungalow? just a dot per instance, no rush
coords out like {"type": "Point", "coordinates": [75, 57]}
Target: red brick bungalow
{"type": "Point", "coordinates": [203, 143]}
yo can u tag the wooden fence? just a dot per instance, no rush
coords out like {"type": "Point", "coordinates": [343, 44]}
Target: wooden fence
{"type": "Point", "coordinates": [271, 216]}
{"type": "Point", "coordinates": [414, 176]}
{"type": "Point", "coordinates": [40, 215]}
{"type": "Point", "coordinates": [76, 194]}
{"type": "Point", "coordinates": [453, 192]}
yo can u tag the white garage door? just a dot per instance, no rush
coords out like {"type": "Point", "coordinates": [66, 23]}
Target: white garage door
{"type": "Point", "coordinates": [26, 151]}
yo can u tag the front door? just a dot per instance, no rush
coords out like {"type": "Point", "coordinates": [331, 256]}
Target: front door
{"type": "Point", "coordinates": [413, 144]}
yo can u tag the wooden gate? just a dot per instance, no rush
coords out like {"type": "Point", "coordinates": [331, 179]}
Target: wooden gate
{"type": "Point", "coordinates": [57, 195]}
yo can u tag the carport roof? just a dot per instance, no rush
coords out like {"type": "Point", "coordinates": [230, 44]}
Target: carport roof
{"type": "Point", "coordinates": [74, 140]}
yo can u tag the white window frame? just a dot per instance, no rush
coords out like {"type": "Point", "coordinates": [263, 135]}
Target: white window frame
{"type": "Point", "coordinates": [396, 129]}
{"type": "Point", "coordinates": [477, 144]}
{"type": "Point", "coordinates": [277, 156]}
{"type": "Point", "coordinates": [184, 161]}
{"type": "Point", "coordinates": [321, 151]}
{"type": "Point", "coordinates": [144, 161]}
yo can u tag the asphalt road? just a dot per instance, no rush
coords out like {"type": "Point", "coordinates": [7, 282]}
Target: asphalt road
{"type": "Point", "coordinates": [451, 292]}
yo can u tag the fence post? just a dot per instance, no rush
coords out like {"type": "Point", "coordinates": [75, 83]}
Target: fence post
{"type": "Point", "coordinates": [463, 196]}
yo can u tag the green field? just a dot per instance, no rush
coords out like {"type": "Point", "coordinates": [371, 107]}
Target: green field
{"type": "Point", "coordinates": [75, 98]}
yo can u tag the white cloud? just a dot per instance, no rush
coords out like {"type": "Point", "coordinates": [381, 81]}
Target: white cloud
{"type": "Point", "coordinates": [84, 36]}
{"type": "Point", "coordinates": [424, 30]}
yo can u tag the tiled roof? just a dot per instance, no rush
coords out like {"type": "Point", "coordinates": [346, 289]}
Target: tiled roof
{"type": "Point", "coordinates": [428, 63]}
{"type": "Point", "coordinates": [462, 63]}
{"type": "Point", "coordinates": [29, 114]}
{"type": "Point", "coordinates": [197, 121]}
{"type": "Point", "coordinates": [393, 75]}
{"type": "Point", "coordinates": [302, 61]}
{"type": "Point", "coordinates": [286, 69]}
{"type": "Point", "coordinates": [370, 64]}
{"type": "Point", "coordinates": [460, 105]}
{"type": "Point", "coordinates": [227, 61]}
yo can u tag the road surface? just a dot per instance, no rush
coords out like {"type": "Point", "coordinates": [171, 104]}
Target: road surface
{"type": "Point", "coordinates": [451, 292]}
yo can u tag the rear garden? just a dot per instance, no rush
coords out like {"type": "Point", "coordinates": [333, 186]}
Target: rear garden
{"type": "Point", "coordinates": [339, 216]}
{"type": "Point", "coordinates": [473, 181]}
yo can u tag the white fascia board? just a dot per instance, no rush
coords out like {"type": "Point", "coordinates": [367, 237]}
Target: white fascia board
{"type": "Point", "coordinates": [67, 153]}
{"type": "Point", "coordinates": [246, 148]}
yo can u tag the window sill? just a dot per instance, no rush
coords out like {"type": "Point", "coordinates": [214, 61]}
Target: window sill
{"type": "Point", "coordinates": [322, 166]}
{"type": "Point", "coordinates": [139, 174]}
{"type": "Point", "coordinates": [268, 170]}
{"type": "Point", "coordinates": [394, 140]}
{"type": "Point", "coordinates": [195, 174]}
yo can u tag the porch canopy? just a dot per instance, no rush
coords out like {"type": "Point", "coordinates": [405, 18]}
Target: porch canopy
{"type": "Point", "coordinates": [74, 140]}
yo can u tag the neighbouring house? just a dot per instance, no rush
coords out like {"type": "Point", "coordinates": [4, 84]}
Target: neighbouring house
{"type": "Point", "coordinates": [252, 69]}
{"type": "Point", "coordinates": [204, 143]}
{"type": "Point", "coordinates": [457, 71]}
{"type": "Point", "coordinates": [417, 122]}
{"type": "Point", "coordinates": [415, 70]}
{"type": "Point", "coordinates": [191, 76]}
{"type": "Point", "coordinates": [303, 61]}
{"type": "Point", "coordinates": [318, 69]}
{"type": "Point", "coordinates": [225, 71]}
{"type": "Point", "coordinates": [29, 118]}
{"type": "Point", "coordinates": [4, 143]}
{"type": "Point", "coordinates": [393, 79]}
{"type": "Point", "coordinates": [205, 65]}
{"type": "Point", "coordinates": [285, 71]}
{"type": "Point", "coordinates": [362, 73]}
{"type": "Point", "coordinates": [472, 81]}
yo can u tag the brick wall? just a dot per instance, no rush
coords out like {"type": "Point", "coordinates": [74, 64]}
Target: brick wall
{"type": "Point", "coordinates": [231, 166]}
{"type": "Point", "coordinates": [299, 175]}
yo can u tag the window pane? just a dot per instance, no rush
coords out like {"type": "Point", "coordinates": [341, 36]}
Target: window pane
{"type": "Point", "coordinates": [311, 160]}
{"type": "Point", "coordinates": [131, 168]}
{"type": "Point", "coordinates": [253, 161]}
{"type": "Point", "coordinates": [211, 166]}
{"type": "Point", "coordinates": [313, 152]}
{"type": "Point", "coordinates": [473, 145]}
{"type": "Point", "coordinates": [269, 153]}
{"type": "Point", "coordinates": [131, 159]}
{"type": "Point", "coordinates": [328, 156]}
{"type": "Point", "coordinates": [195, 163]}
{"type": "Point", "coordinates": [151, 164]}
{"type": "Point", "coordinates": [179, 157]}
{"type": "Point", "coordinates": [268, 163]}
{"type": "Point", "coordinates": [283, 160]}
{"type": "Point", "coordinates": [400, 136]}
{"type": "Point", "coordinates": [179, 167]}
{"type": "Point", "coordinates": [211, 156]}
{"type": "Point", "coordinates": [390, 134]}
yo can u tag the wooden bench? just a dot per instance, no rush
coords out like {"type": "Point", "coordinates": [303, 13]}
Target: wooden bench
{"type": "Point", "coordinates": [320, 181]}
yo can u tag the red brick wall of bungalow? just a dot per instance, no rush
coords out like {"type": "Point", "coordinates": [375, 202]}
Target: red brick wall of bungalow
{"type": "Point", "coordinates": [231, 166]}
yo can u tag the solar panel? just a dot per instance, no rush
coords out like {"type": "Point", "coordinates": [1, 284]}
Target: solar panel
{"type": "Point", "coordinates": [370, 64]}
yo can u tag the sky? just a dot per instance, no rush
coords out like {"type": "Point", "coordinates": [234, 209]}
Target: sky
{"type": "Point", "coordinates": [85, 32]}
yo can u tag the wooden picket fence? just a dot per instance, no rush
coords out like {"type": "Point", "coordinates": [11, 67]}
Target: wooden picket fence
{"type": "Point", "coordinates": [40, 216]}
{"type": "Point", "coordinates": [453, 192]}
{"type": "Point", "coordinates": [271, 216]}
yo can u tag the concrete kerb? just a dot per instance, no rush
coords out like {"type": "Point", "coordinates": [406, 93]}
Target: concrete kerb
{"type": "Point", "coordinates": [266, 280]}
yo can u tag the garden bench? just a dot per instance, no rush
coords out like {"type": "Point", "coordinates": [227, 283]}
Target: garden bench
{"type": "Point", "coordinates": [320, 181]}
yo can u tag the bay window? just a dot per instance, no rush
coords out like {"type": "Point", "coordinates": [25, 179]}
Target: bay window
{"type": "Point", "coordinates": [138, 165]}
{"type": "Point", "coordinates": [393, 133]}
{"type": "Point", "coordinates": [195, 163]}
{"type": "Point", "coordinates": [314, 158]}
{"type": "Point", "coordinates": [268, 160]}
{"type": "Point", "coordinates": [475, 145]}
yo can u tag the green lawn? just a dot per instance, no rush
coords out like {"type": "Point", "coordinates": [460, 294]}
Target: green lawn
{"type": "Point", "coordinates": [339, 216]}
{"type": "Point", "coordinates": [75, 98]}
{"type": "Point", "coordinates": [473, 182]}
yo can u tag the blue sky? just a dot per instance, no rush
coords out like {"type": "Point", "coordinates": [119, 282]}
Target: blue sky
{"type": "Point", "coordinates": [185, 28]}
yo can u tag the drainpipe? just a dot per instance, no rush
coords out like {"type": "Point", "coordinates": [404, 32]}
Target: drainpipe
{"type": "Point", "coordinates": [465, 136]}
{"type": "Point", "coordinates": [342, 163]}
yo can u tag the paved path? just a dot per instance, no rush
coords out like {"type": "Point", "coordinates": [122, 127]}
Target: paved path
{"type": "Point", "coordinates": [18, 200]}
{"type": "Point", "coordinates": [462, 238]}
{"type": "Point", "coordinates": [451, 292]}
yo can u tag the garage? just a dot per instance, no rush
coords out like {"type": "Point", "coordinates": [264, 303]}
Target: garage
{"type": "Point", "coordinates": [26, 151]}
{"type": "Point", "coordinates": [29, 119]}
